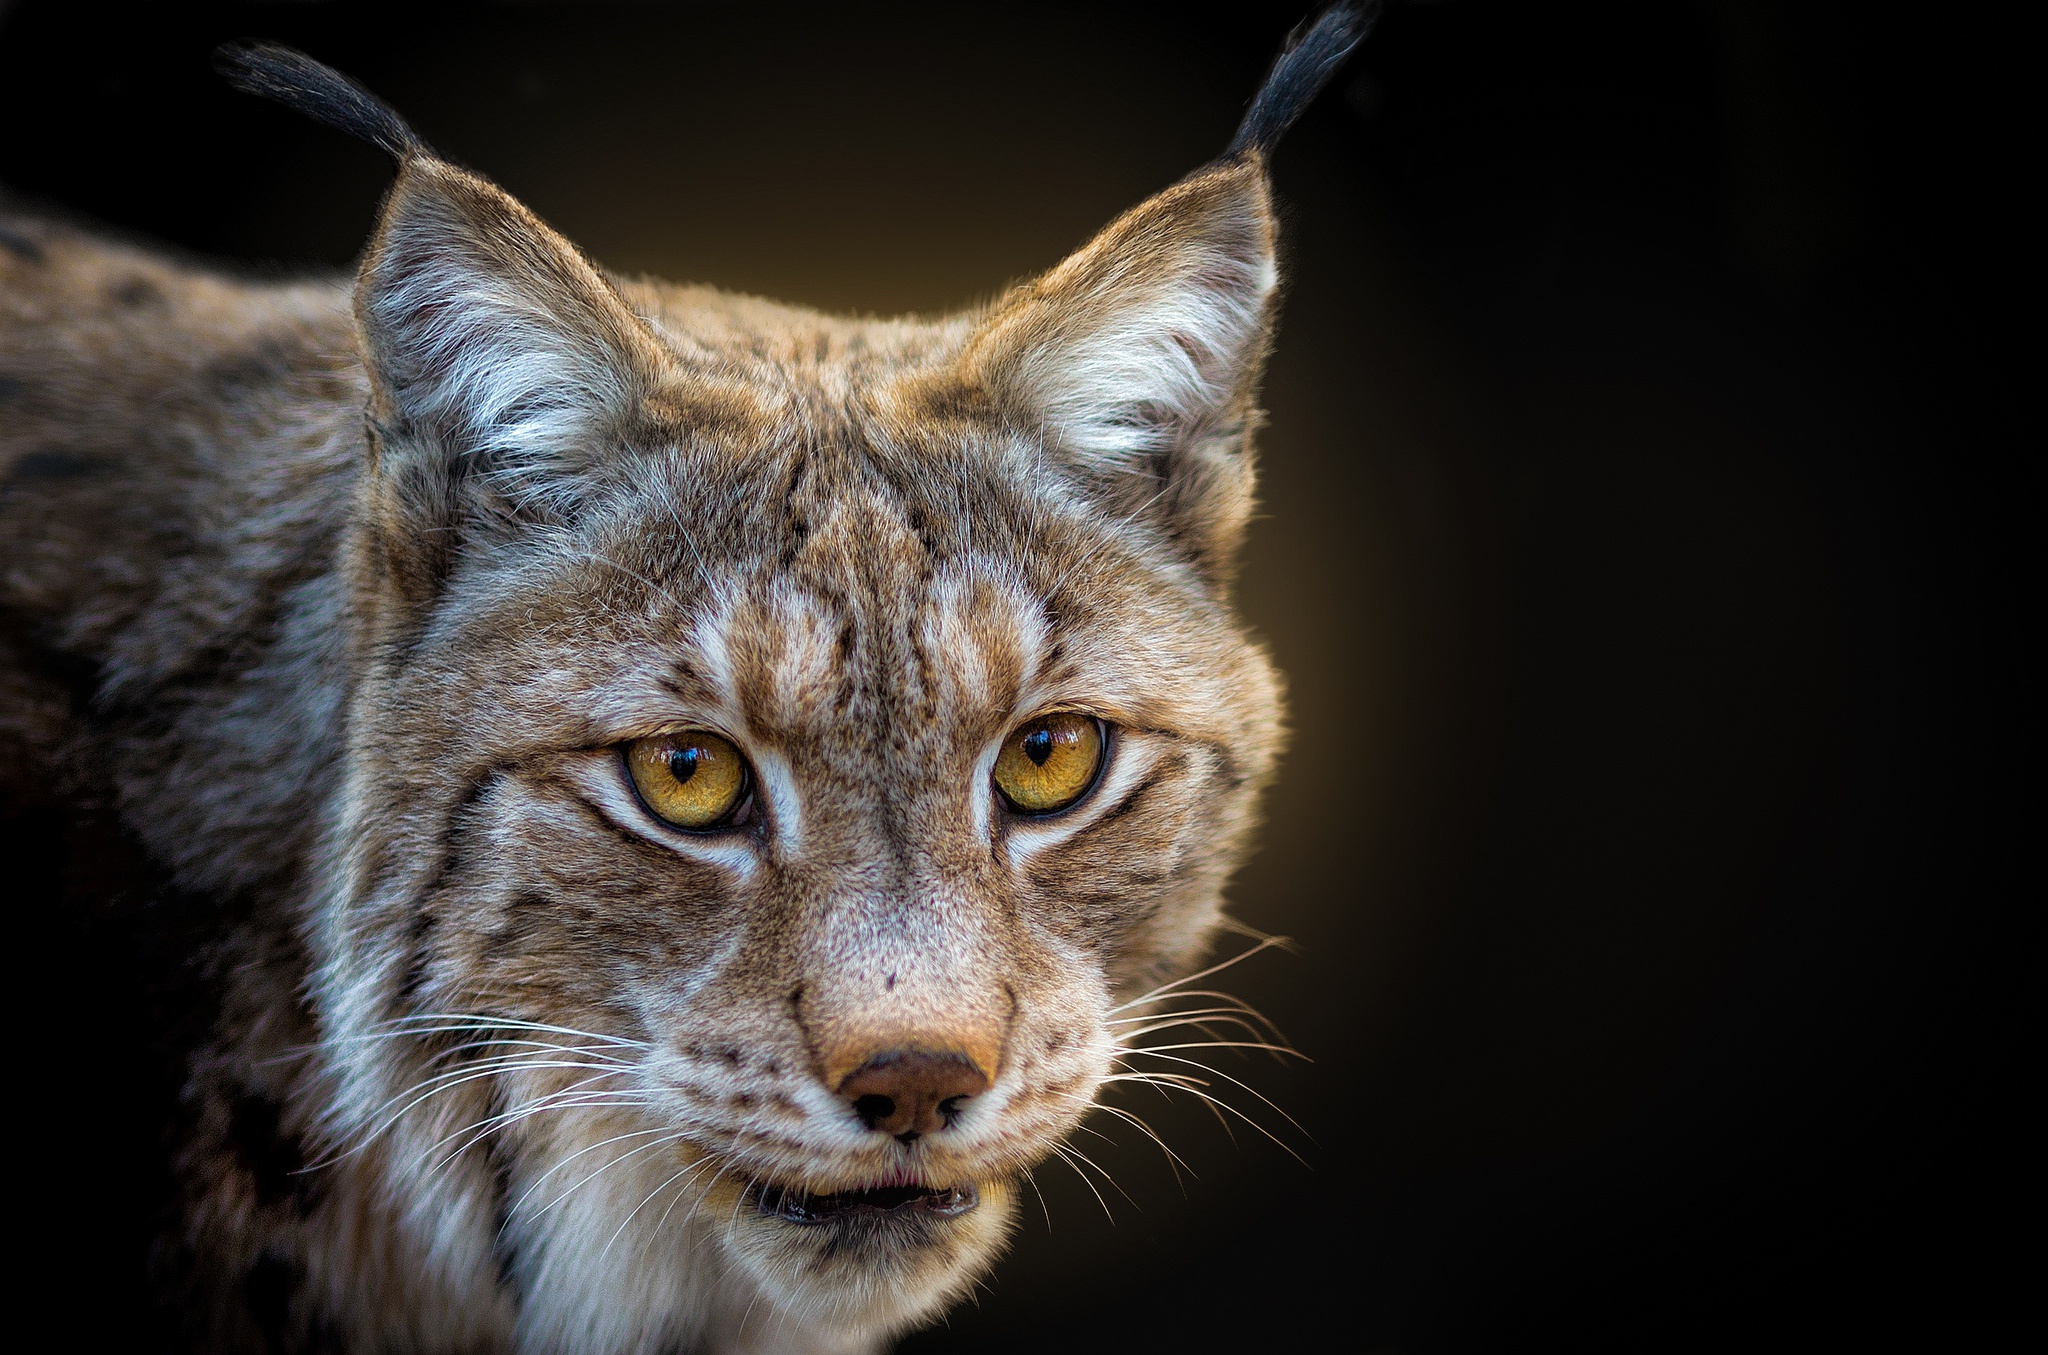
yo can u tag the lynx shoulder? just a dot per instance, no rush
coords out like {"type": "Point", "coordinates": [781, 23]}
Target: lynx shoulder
{"type": "Point", "coordinates": [687, 790]}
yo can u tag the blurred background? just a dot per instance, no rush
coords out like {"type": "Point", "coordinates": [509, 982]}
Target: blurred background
{"type": "Point", "coordinates": [1610, 510]}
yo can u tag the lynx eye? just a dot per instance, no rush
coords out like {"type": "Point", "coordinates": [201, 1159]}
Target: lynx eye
{"type": "Point", "coordinates": [695, 780]}
{"type": "Point", "coordinates": [1050, 762]}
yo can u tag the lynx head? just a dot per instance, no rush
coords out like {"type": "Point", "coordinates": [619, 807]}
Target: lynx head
{"type": "Point", "coordinates": [779, 744]}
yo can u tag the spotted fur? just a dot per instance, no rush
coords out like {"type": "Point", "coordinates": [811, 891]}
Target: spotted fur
{"type": "Point", "coordinates": [345, 597]}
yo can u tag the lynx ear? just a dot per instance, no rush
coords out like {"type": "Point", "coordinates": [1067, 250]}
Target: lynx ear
{"type": "Point", "coordinates": [1135, 361]}
{"type": "Point", "coordinates": [495, 349]}
{"type": "Point", "coordinates": [491, 341]}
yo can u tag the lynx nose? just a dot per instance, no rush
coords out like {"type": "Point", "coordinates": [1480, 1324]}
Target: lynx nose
{"type": "Point", "coordinates": [908, 1093]}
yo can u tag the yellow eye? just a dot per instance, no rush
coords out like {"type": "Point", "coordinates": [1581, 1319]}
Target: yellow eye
{"type": "Point", "coordinates": [1050, 762]}
{"type": "Point", "coordinates": [695, 779]}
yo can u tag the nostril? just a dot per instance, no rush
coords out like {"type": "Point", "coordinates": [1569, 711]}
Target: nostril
{"type": "Point", "coordinates": [874, 1110]}
{"type": "Point", "coordinates": [908, 1093]}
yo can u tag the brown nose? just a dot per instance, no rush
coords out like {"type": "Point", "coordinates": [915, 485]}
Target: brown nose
{"type": "Point", "coordinates": [908, 1093]}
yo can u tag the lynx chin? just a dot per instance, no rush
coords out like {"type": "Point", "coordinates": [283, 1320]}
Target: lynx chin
{"type": "Point", "coordinates": [691, 797]}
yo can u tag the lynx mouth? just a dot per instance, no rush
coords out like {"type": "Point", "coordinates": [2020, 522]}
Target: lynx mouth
{"type": "Point", "coordinates": [845, 1206]}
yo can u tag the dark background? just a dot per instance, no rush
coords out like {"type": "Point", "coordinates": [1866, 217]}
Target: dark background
{"type": "Point", "coordinates": [1615, 524]}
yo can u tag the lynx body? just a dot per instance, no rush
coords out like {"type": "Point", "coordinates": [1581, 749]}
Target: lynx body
{"type": "Point", "coordinates": [362, 604]}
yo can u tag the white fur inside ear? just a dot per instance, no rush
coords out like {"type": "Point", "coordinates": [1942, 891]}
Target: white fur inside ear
{"type": "Point", "coordinates": [503, 368]}
{"type": "Point", "coordinates": [1155, 359]}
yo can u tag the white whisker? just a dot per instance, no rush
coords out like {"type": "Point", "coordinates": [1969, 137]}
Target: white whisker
{"type": "Point", "coordinates": [1216, 1101]}
{"type": "Point", "coordinates": [1042, 1206]}
{"type": "Point", "coordinates": [1280, 1049]}
{"type": "Point", "coordinates": [1163, 989]}
{"type": "Point", "coordinates": [605, 1167]}
{"type": "Point", "coordinates": [1192, 1063]}
{"type": "Point", "coordinates": [513, 1209]}
{"type": "Point", "coordinates": [1172, 1157]}
{"type": "Point", "coordinates": [1060, 1151]}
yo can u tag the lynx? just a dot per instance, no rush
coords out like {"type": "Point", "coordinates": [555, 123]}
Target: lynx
{"type": "Point", "coordinates": [696, 793]}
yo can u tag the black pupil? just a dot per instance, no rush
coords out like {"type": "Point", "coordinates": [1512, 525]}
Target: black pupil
{"type": "Point", "coordinates": [682, 764]}
{"type": "Point", "coordinates": [1038, 746]}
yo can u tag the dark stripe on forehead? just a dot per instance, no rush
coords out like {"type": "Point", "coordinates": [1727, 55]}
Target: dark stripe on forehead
{"type": "Point", "coordinates": [796, 524]}
{"type": "Point", "coordinates": [688, 686]}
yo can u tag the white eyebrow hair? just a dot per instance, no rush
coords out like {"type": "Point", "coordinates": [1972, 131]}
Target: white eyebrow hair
{"type": "Point", "coordinates": [777, 785]}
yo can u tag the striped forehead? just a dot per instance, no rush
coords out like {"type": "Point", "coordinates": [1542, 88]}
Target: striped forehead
{"type": "Point", "coordinates": [805, 655]}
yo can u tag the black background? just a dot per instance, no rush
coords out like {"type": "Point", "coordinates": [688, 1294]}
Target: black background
{"type": "Point", "coordinates": [1614, 524]}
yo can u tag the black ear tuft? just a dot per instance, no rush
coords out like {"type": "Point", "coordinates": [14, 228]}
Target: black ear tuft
{"type": "Point", "coordinates": [1312, 55]}
{"type": "Point", "coordinates": [322, 93]}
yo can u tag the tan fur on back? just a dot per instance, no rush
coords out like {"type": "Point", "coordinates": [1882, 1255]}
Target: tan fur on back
{"type": "Point", "coordinates": [347, 594]}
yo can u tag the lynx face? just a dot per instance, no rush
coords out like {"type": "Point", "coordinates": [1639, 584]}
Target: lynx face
{"type": "Point", "coordinates": [784, 741]}
{"type": "Point", "coordinates": [700, 785]}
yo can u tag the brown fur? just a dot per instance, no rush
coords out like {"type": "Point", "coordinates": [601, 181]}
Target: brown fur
{"type": "Point", "coordinates": [345, 598]}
